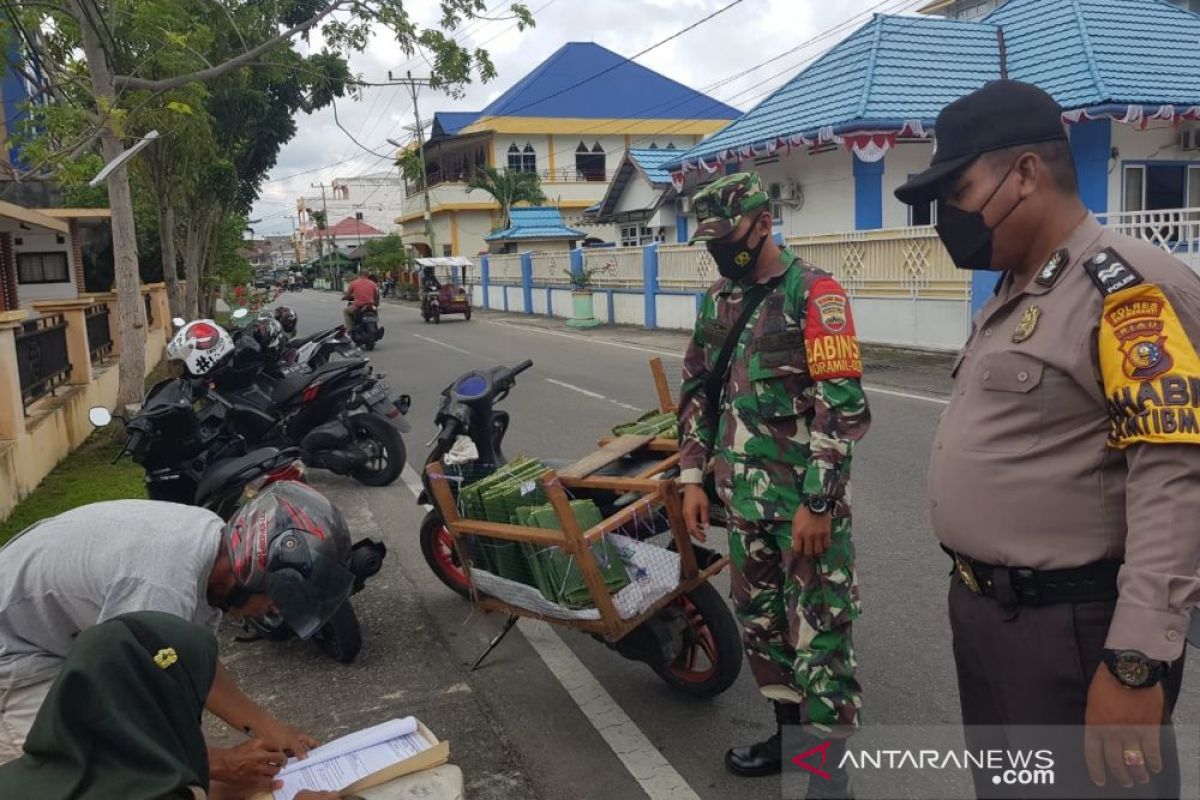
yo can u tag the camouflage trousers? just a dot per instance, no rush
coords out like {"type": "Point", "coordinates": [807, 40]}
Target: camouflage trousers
{"type": "Point", "coordinates": [796, 615]}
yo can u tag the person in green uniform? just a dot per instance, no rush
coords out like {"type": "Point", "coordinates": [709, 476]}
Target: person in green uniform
{"type": "Point", "coordinates": [122, 719]}
{"type": "Point", "coordinates": [774, 408]}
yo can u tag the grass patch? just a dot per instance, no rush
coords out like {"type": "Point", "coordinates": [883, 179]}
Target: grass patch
{"type": "Point", "coordinates": [85, 476]}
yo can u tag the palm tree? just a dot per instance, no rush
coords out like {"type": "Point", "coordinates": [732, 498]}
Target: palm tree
{"type": "Point", "coordinates": [508, 187]}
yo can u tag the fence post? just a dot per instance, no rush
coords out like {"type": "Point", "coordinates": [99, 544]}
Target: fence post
{"type": "Point", "coordinates": [485, 277]}
{"type": "Point", "coordinates": [12, 409]}
{"type": "Point", "coordinates": [650, 284]}
{"type": "Point", "coordinates": [78, 351]}
{"type": "Point", "coordinates": [527, 280]}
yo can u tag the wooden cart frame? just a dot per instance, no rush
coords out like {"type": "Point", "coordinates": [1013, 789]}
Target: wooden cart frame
{"type": "Point", "coordinates": [656, 492]}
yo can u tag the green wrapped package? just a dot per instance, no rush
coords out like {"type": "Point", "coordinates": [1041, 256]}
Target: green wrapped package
{"type": "Point", "coordinates": [663, 425]}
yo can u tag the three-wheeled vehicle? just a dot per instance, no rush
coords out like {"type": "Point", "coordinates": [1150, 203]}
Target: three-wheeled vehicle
{"type": "Point", "coordinates": [445, 287]}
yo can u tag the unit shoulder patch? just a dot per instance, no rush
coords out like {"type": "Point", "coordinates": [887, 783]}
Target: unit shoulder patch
{"type": "Point", "coordinates": [1111, 272]}
{"type": "Point", "coordinates": [1054, 267]}
{"type": "Point", "coordinates": [1150, 370]}
{"type": "Point", "coordinates": [830, 343]}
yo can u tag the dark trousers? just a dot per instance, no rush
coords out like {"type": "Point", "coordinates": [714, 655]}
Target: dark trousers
{"type": "Point", "coordinates": [1032, 666]}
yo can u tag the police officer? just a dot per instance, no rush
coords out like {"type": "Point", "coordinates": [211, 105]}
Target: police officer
{"type": "Point", "coordinates": [773, 405]}
{"type": "Point", "coordinates": [1065, 477]}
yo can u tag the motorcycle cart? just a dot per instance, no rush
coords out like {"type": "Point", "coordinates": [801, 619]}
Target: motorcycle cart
{"type": "Point", "coordinates": [445, 287]}
{"type": "Point", "coordinates": [601, 546]}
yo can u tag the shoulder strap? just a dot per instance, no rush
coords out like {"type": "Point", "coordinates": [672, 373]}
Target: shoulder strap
{"type": "Point", "coordinates": [714, 385]}
{"type": "Point", "coordinates": [154, 645]}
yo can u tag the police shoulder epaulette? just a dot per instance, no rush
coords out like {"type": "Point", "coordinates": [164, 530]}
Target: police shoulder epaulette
{"type": "Point", "coordinates": [1111, 272]}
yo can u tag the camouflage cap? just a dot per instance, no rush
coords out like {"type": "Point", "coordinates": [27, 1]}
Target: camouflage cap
{"type": "Point", "coordinates": [720, 205]}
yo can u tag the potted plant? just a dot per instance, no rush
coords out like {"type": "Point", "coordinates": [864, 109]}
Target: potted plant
{"type": "Point", "coordinates": [583, 306]}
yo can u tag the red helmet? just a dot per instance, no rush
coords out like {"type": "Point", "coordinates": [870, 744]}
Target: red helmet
{"type": "Point", "coordinates": [290, 542]}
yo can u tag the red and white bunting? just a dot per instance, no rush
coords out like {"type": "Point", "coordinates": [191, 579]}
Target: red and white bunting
{"type": "Point", "coordinates": [870, 147]}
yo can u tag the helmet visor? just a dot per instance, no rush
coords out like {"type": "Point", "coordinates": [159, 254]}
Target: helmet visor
{"type": "Point", "coordinates": [308, 603]}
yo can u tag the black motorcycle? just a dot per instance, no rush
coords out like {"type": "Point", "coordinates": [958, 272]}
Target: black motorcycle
{"type": "Point", "coordinates": [367, 330]}
{"type": "Point", "coordinates": [339, 414]}
{"type": "Point", "coordinates": [692, 643]}
{"type": "Point", "coordinates": [192, 458]}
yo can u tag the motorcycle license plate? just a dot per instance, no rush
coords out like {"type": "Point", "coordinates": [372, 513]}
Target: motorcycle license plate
{"type": "Point", "coordinates": [376, 393]}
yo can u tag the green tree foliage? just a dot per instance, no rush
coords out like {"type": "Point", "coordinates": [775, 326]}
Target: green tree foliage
{"type": "Point", "coordinates": [385, 254]}
{"type": "Point", "coordinates": [507, 188]}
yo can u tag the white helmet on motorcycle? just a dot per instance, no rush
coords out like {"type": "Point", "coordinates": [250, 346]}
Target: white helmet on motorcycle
{"type": "Point", "coordinates": [200, 345]}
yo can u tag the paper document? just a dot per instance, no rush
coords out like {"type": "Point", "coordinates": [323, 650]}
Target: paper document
{"type": "Point", "coordinates": [342, 762]}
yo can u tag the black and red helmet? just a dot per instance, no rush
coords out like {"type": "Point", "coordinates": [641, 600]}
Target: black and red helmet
{"type": "Point", "coordinates": [291, 543]}
{"type": "Point", "coordinates": [286, 317]}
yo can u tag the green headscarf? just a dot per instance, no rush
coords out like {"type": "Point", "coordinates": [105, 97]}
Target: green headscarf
{"type": "Point", "coordinates": [122, 719]}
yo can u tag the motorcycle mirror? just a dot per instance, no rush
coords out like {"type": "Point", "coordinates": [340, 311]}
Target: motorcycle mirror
{"type": "Point", "coordinates": [241, 313]}
{"type": "Point", "coordinates": [99, 416]}
{"type": "Point", "coordinates": [178, 322]}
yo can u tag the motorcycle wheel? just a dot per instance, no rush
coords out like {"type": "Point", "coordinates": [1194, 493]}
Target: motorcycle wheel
{"type": "Point", "coordinates": [712, 655]}
{"type": "Point", "coordinates": [341, 637]}
{"type": "Point", "coordinates": [387, 446]}
{"type": "Point", "coordinates": [467, 314]}
{"type": "Point", "coordinates": [437, 317]}
{"type": "Point", "coordinates": [438, 548]}
{"type": "Point", "coordinates": [369, 345]}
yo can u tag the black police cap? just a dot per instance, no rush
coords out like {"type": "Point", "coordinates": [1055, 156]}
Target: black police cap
{"type": "Point", "coordinates": [1002, 114]}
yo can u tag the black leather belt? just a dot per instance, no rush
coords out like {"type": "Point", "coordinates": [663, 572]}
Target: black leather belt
{"type": "Point", "coordinates": [1041, 587]}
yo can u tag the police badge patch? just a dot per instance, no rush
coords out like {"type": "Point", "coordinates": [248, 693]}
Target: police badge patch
{"type": "Point", "coordinates": [1027, 325]}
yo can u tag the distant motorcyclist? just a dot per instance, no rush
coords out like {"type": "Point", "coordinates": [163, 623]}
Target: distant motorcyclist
{"type": "Point", "coordinates": [362, 291]}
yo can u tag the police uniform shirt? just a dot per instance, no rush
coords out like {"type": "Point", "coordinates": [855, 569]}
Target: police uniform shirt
{"type": "Point", "coordinates": [1072, 432]}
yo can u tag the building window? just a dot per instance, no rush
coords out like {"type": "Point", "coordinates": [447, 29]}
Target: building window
{"type": "Point", "coordinates": [924, 214]}
{"type": "Point", "coordinates": [358, 215]}
{"type": "Point", "coordinates": [528, 159]}
{"type": "Point", "coordinates": [776, 193]}
{"type": "Point", "coordinates": [640, 235]}
{"type": "Point", "coordinates": [589, 164]}
{"type": "Point", "coordinates": [629, 235]}
{"type": "Point", "coordinates": [1150, 187]}
{"type": "Point", "coordinates": [446, 250]}
{"type": "Point", "coordinates": [654, 145]}
{"type": "Point", "coordinates": [514, 158]}
{"type": "Point", "coordinates": [42, 268]}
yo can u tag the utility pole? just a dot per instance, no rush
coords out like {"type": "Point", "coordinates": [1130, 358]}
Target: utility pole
{"type": "Point", "coordinates": [413, 84]}
{"type": "Point", "coordinates": [320, 233]}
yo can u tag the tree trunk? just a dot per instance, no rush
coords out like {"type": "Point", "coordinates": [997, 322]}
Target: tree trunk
{"type": "Point", "coordinates": [191, 266]}
{"type": "Point", "coordinates": [130, 309]}
{"type": "Point", "coordinates": [166, 235]}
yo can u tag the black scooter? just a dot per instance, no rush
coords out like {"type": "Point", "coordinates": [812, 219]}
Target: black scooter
{"type": "Point", "coordinates": [693, 643]}
{"type": "Point", "coordinates": [339, 414]}
{"type": "Point", "coordinates": [194, 459]}
{"type": "Point", "coordinates": [367, 330]}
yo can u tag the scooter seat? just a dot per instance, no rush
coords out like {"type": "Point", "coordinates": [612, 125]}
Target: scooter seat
{"type": "Point", "coordinates": [291, 385]}
{"type": "Point", "coordinates": [222, 472]}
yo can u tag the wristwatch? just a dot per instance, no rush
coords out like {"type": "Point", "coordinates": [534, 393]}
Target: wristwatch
{"type": "Point", "coordinates": [1134, 669]}
{"type": "Point", "coordinates": [818, 504]}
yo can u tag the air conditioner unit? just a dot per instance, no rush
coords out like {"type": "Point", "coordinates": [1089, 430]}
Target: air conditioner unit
{"type": "Point", "coordinates": [685, 205]}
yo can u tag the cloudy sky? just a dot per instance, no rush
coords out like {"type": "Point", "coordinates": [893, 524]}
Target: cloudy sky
{"type": "Point", "coordinates": [776, 37]}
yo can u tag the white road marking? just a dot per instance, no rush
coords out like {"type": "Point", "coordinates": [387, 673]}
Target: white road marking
{"type": "Point", "coordinates": [924, 398]}
{"type": "Point", "coordinates": [589, 393]}
{"type": "Point", "coordinates": [575, 388]}
{"type": "Point", "coordinates": [443, 344]}
{"type": "Point", "coordinates": [658, 779]}
{"type": "Point", "coordinates": [413, 481]}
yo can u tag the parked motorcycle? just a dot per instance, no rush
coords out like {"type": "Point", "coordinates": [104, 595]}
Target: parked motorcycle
{"type": "Point", "coordinates": [692, 643]}
{"type": "Point", "coordinates": [367, 330]}
{"type": "Point", "coordinates": [192, 458]}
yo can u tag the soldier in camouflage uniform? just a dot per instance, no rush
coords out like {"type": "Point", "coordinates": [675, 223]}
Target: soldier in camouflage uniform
{"type": "Point", "coordinates": [779, 447]}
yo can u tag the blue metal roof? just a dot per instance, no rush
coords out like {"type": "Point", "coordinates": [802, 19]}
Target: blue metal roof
{"type": "Point", "coordinates": [449, 123]}
{"type": "Point", "coordinates": [535, 222]}
{"type": "Point", "coordinates": [652, 161]}
{"type": "Point", "coordinates": [585, 80]}
{"type": "Point", "coordinates": [1093, 52]}
{"type": "Point", "coordinates": [893, 70]}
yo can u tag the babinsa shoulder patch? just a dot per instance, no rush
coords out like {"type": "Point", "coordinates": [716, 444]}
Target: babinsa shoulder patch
{"type": "Point", "coordinates": [1111, 272]}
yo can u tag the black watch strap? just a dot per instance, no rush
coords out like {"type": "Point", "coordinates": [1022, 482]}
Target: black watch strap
{"type": "Point", "coordinates": [1134, 669]}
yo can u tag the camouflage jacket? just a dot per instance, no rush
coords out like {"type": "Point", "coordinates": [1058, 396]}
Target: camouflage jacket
{"type": "Point", "coordinates": [793, 404]}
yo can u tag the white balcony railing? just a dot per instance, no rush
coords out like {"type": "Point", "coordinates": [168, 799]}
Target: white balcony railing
{"type": "Point", "coordinates": [1175, 230]}
{"type": "Point", "coordinates": [620, 267]}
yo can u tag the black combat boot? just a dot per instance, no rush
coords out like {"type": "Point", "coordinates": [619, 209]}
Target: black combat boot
{"type": "Point", "coordinates": [837, 786]}
{"type": "Point", "coordinates": [764, 758]}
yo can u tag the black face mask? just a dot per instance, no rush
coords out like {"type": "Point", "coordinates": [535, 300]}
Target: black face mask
{"type": "Point", "coordinates": [736, 260]}
{"type": "Point", "coordinates": [966, 235]}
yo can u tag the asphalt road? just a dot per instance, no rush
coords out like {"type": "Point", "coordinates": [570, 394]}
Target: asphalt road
{"type": "Point", "coordinates": [553, 713]}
